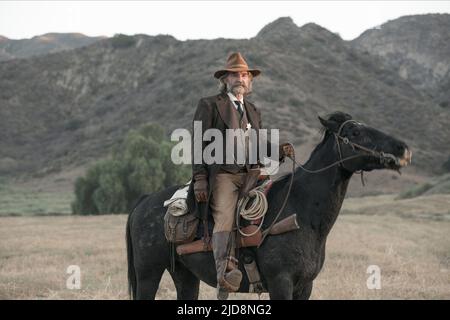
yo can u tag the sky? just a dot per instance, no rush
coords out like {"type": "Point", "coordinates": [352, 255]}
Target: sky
{"type": "Point", "coordinates": [199, 19]}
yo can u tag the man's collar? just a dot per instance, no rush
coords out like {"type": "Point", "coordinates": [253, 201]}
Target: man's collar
{"type": "Point", "coordinates": [233, 97]}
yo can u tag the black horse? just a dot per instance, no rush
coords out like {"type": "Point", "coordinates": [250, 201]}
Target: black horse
{"type": "Point", "coordinates": [289, 262]}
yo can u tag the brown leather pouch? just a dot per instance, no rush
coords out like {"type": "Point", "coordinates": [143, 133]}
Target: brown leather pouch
{"type": "Point", "coordinates": [181, 229]}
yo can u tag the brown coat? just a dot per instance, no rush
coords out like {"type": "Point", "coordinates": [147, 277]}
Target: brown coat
{"type": "Point", "coordinates": [218, 112]}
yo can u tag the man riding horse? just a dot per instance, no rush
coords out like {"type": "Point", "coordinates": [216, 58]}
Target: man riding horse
{"type": "Point", "coordinates": [216, 186]}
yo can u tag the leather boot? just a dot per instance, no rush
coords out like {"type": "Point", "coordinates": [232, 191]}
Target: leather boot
{"type": "Point", "coordinates": [228, 275]}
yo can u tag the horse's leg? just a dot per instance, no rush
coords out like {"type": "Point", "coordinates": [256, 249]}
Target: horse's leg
{"type": "Point", "coordinates": [280, 287]}
{"type": "Point", "coordinates": [148, 283]}
{"type": "Point", "coordinates": [303, 291]}
{"type": "Point", "coordinates": [186, 283]}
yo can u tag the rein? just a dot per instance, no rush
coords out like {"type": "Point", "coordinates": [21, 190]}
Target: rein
{"type": "Point", "coordinates": [384, 159]}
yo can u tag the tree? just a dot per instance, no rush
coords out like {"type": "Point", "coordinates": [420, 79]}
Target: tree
{"type": "Point", "coordinates": [121, 41]}
{"type": "Point", "coordinates": [446, 165]}
{"type": "Point", "coordinates": [141, 164]}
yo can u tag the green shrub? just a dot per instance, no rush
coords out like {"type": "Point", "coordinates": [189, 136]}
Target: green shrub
{"type": "Point", "coordinates": [141, 164]}
{"type": "Point", "coordinates": [73, 124]}
{"type": "Point", "coordinates": [446, 165]}
{"type": "Point", "coordinates": [415, 191]}
{"type": "Point", "coordinates": [293, 101]}
{"type": "Point", "coordinates": [121, 41]}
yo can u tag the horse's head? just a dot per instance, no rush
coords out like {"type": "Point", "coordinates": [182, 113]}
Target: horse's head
{"type": "Point", "coordinates": [368, 148]}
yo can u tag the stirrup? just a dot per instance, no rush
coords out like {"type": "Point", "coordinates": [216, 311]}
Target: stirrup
{"type": "Point", "coordinates": [235, 276]}
{"type": "Point", "coordinates": [222, 294]}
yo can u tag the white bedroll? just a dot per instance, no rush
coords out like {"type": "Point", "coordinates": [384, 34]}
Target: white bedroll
{"type": "Point", "coordinates": [177, 204]}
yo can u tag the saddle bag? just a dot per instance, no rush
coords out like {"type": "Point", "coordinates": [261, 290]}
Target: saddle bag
{"type": "Point", "coordinates": [180, 229]}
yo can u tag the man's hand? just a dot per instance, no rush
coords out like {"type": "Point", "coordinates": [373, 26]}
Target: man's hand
{"type": "Point", "coordinates": [201, 188]}
{"type": "Point", "coordinates": [286, 150]}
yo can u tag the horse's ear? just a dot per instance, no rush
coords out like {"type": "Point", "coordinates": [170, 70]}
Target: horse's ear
{"type": "Point", "coordinates": [330, 125]}
{"type": "Point", "coordinates": [322, 121]}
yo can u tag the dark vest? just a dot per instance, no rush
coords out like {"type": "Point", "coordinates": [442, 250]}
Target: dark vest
{"type": "Point", "coordinates": [239, 167]}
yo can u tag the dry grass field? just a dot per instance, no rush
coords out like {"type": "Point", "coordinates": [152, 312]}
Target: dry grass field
{"type": "Point", "coordinates": [408, 239]}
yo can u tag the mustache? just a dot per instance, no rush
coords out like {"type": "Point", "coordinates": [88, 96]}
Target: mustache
{"type": "Point", "coordinates": [239, 84]}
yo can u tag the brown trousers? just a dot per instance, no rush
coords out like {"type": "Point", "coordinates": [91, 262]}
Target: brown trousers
{"type": "Point", "coordinates": [224, 200]}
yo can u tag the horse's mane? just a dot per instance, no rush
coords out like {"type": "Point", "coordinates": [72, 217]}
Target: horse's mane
{"type": "Point", "coordinates": [338, 117]}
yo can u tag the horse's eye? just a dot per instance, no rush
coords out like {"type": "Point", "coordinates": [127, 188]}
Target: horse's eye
{"type": "Point", "coordinates": [356, 133]}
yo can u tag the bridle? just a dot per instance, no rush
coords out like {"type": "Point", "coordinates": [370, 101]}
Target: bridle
{"type": "Point", "coordinates": [384, 158]}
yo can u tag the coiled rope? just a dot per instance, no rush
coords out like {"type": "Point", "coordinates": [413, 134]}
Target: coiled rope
{"type": "Point", "coordinates": [257, 209]}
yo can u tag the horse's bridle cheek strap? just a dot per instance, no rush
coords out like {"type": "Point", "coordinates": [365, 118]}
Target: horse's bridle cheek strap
{"type": "Point", "coordinates": [353, 145]}
{"type": "Point", "coordinates": [340, 151]}
{"type": "Point", "coordinates": [383, 157]}
{"type": "Point", "coordinates": [348, 143]}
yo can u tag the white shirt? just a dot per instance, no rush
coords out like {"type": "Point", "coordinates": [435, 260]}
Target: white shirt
{"type": "Point", "coordinates": [233, 99]}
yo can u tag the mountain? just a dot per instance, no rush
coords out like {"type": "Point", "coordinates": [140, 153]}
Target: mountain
{"type": "Point", "coordinates": [418, 49]}
{"type": "Point", "coordinates": [43, 44]}
{"type": "Point", "coordinates": [62, 110]}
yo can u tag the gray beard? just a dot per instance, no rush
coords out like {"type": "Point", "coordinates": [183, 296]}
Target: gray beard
{"type": "Point", "coordinates": [238, 90]}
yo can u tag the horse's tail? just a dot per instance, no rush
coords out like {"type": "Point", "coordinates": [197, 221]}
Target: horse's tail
{"type": "Point", "coordinates": [132, 283]}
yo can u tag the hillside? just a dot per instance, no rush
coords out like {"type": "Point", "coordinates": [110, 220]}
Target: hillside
{"type": "Point", "coordinates": [62, 110]}
{"type": "Point", "coordinates": [43, 44]}
{"type": "Point", "coordinates": [418, 49]}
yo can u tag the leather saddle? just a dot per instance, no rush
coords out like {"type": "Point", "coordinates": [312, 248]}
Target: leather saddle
{"type": "Point", "coordinates": [253, 179]}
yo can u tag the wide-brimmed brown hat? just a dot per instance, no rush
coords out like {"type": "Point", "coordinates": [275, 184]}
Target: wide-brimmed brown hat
{"type": "Point", "coordinates": [236, 63]}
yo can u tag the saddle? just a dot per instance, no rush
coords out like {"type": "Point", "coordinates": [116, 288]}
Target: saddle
{"type": "Point", "coordinates": [182, 230]}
